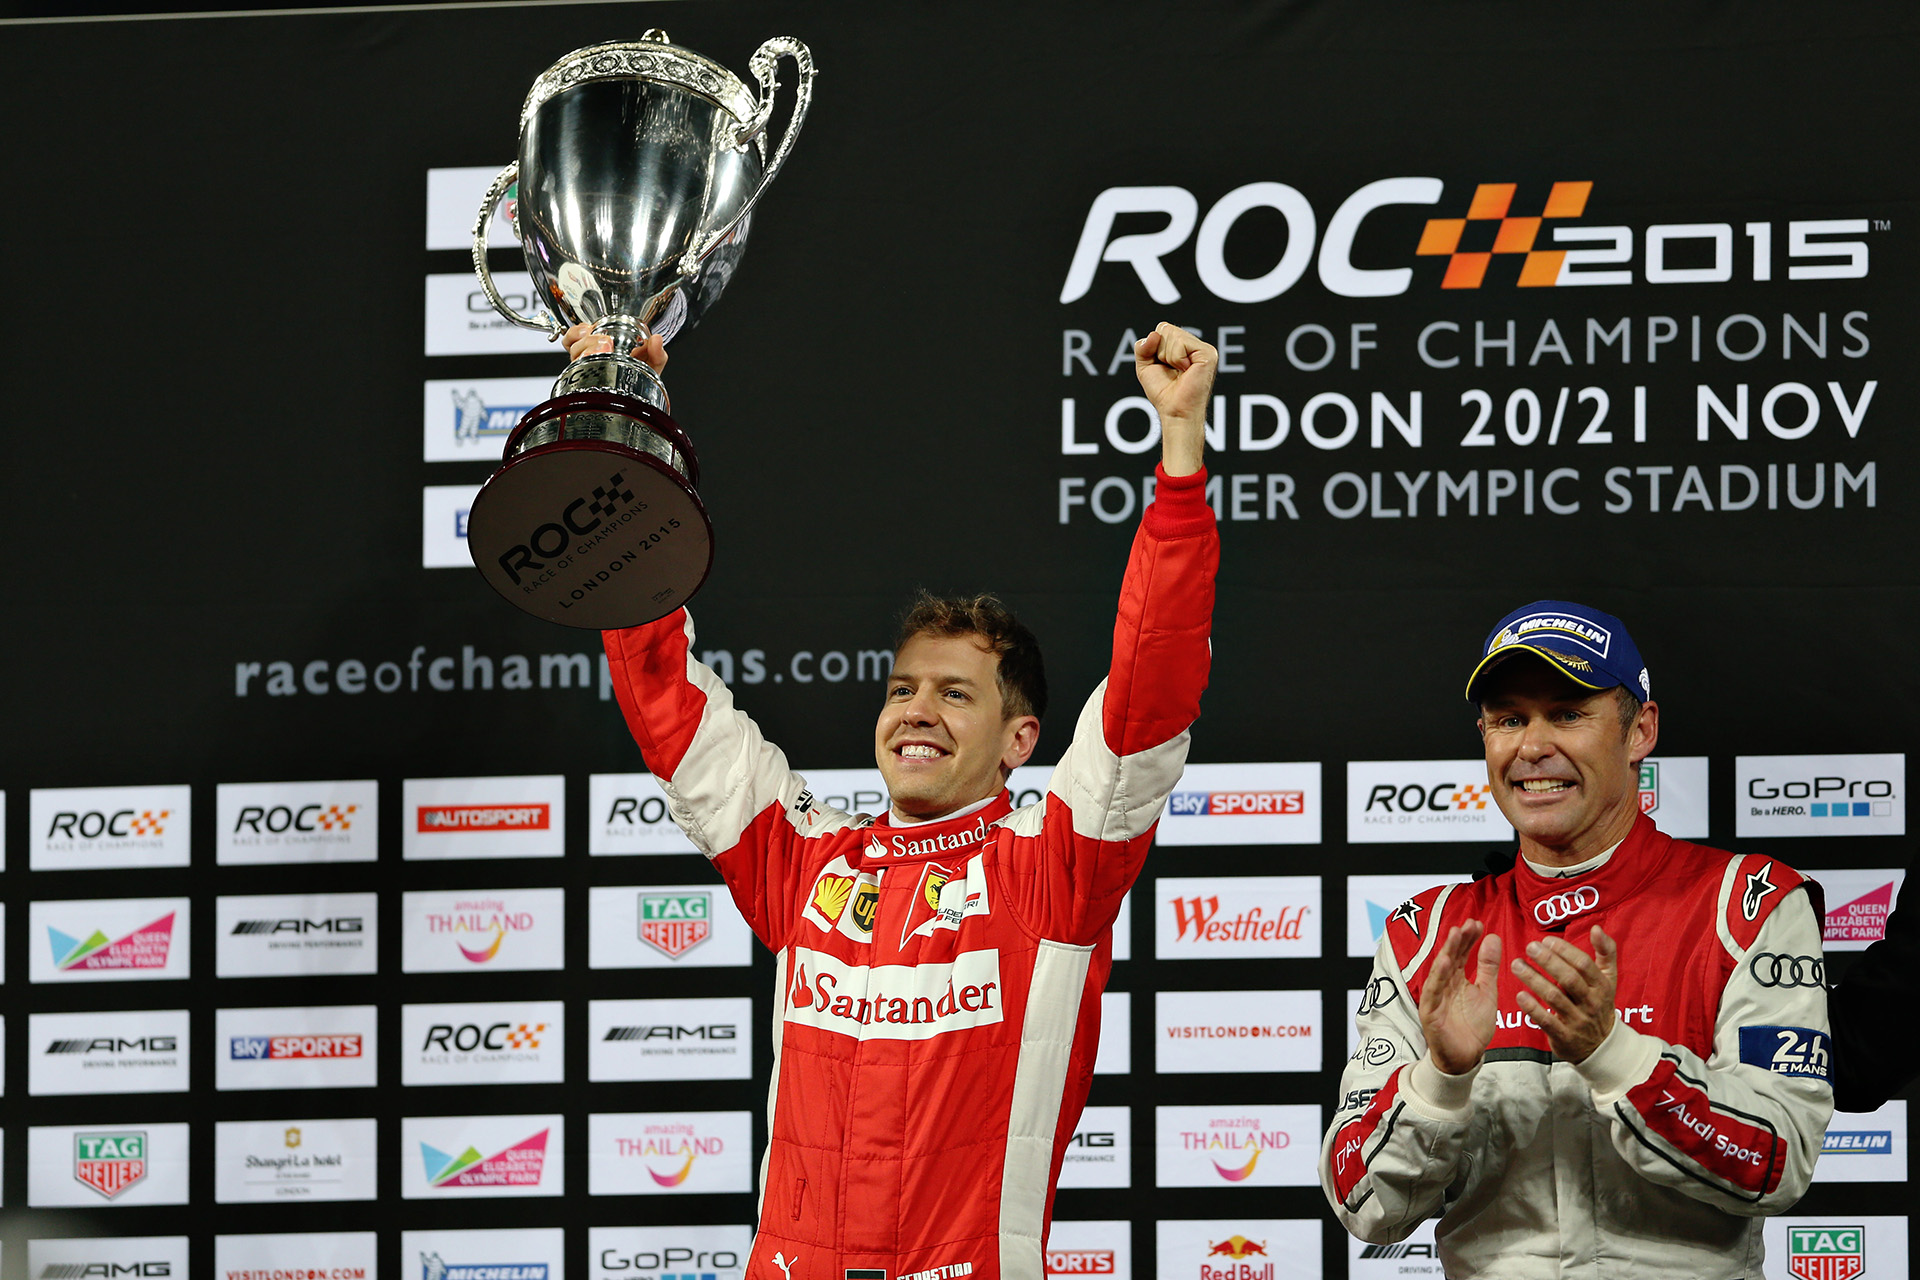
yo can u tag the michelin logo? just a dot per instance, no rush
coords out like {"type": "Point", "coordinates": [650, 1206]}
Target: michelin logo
{"type": "Point", "coordinates": [1596, 638]}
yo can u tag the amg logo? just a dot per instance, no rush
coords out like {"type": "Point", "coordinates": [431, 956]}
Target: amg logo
{"type": "Point", "coordinates": [338, 924]}
{"type": "Point", "coordinates": [1091, 1140]}
{"type": "Point", "coordinates": [1397, 1251]}
{"type": "Point", "coordinates": [715, 1031]}
{"type": "Point", "coordinates": [113, 1044]}
{"type": "Point", "coordinates": [72, 1270]}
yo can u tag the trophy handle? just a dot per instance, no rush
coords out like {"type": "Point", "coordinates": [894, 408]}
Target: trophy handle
{"type": "Point", "coordinates": [764, 65]}
{"type": "Point", "coordinates": [508, 176]}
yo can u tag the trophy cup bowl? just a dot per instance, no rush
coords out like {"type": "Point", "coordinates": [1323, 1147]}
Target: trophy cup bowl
{"type": "Point", "coordinates": [639, 167]}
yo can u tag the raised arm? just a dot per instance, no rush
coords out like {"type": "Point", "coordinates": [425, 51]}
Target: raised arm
{"type": "Point", "coordinates": [1130, 742]}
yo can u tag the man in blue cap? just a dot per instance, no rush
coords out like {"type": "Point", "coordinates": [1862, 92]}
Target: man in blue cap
{"type": "Point", "coordinates": [1638, 1086]}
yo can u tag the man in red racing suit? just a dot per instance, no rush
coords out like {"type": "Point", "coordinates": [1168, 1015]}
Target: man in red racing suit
{"type": "Point", "coordinates": [940, 968]}
{"type": "Point", "coordinates": [1649, 1076]}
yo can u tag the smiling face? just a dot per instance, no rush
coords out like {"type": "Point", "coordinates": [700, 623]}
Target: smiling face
{"type": "Point", "coordinates": [1562, 771]}
{"type": "Point", "coordinates": [943, 740]}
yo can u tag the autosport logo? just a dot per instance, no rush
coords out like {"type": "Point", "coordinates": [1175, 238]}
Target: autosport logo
{"type": "Point", "coordinates": [609, 505]}
{"type": "Point", "coordinates": [483, 817]}
{"type": "Point", "coordinates": [1560, 907]}
{"type": "Point", "coordinates": [1539, 236]}
{"type": "Point", "coordinates": [257, 1048]}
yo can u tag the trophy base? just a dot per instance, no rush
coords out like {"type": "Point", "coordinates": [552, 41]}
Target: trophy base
{"type": "Point", "coordinates": [593, 521]}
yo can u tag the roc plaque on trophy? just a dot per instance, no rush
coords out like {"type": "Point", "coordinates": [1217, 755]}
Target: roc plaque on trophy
{"type": "Point", "coordinates": [639, 166]}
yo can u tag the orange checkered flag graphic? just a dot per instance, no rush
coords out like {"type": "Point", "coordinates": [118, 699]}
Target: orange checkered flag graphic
{"type": "Point", "coordinates": [1493, 202]}
{"type": "Point", "coordinates": [1472, 797]}
{"type": "Point", "coordinates": [150, 823]}
{"type": "Point", "coordinates": [525, 1036]}
{"type": "Point", "coordinates": [334, 818]}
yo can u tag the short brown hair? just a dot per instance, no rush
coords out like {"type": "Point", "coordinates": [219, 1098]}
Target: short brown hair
{"type": "Point", "coordinates": [1021, 675]}
{"type": "Point", "coordinates": [1629, 708]}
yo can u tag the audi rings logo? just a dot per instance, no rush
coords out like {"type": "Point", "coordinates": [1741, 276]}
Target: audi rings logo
{"type": "Point", "coordinates": [1379, 994]}
{"type": "Point", "coordinates": [1565, 906]}
{"type": "Point", "coordinates": [1771, 969]}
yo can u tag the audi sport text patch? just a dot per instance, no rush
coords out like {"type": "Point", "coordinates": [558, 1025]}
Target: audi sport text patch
{"type": "Point", "coordinates": [1788, 1051]}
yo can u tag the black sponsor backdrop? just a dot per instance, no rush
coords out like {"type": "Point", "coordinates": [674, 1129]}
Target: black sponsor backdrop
{"type": "Point", "coordinates": [215, 389]}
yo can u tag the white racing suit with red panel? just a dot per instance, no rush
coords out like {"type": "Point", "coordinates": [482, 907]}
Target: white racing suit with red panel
{"type": "Point", "coordinates": [1701, 1112]}
{"type": "Point", "coordinates": [938, 1000]}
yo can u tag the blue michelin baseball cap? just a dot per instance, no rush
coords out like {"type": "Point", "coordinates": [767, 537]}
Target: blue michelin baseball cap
{"type": "Point", "coordinates": [1587, 646]}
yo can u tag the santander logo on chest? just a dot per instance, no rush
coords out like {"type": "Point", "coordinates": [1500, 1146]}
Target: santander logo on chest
{"type": "Point", "coordinates": [894, 1001]}
{"type": "Point", "coordinates": [954, 840]}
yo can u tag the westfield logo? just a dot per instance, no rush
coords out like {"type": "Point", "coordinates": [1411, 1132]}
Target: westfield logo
{"type": "Point", "coordinates": [1198, 919]}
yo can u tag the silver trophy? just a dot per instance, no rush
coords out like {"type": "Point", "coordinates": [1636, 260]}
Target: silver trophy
{"type": "Point", "coordinates": [639, 166]}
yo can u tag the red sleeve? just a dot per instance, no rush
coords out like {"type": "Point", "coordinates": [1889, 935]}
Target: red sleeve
{"type": "Point", "coordinates": [1130, 743]}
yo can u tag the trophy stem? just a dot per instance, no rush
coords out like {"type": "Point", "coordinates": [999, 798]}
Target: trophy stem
{"type": "Point", "coordinates": [615, 371]}
{"type": "Point", "coordinates": [626, 332]}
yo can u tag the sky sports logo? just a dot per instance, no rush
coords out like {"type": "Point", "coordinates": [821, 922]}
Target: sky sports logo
{"type": "Point", "coordinates": [1080, 1262]}
{"type": "Point", "coordinates": [1198, 804]}
{"type": "Point", "coordinates": [1247, 803]}
{"type": "Point", "coordinates": [255, 1048]}
{"type": "Point", "coordinates": [483, 817]}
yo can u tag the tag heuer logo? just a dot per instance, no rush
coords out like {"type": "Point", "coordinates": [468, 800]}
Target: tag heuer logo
{"type": "Point", "coordinates": [1826, 1253]}
{"type": "Point", "coordinates": [675, 923]}
{"type": "Point", "coordinates": [110, 1162]}
{"type": "Point", "coordinates": [1649, 786]}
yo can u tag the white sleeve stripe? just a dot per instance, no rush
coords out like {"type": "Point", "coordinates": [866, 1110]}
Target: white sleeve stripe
{"type": "Point", "coordinates": [1114, 798]}
{"type": "Point", "coordinates": [1721, 904]}
{"type": "Point", "coordinates": [1434, 915]}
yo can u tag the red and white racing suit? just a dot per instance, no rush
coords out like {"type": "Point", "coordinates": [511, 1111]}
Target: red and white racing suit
{"type": "Point", "coordinates": [1701, 1112]}
{"type": "Point", "coordinates": [938, 1000]}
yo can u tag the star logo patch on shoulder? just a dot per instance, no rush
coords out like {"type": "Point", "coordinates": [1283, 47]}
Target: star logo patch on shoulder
{"type": "Point", "coordinates": [1759, 885]}
{"type": "Point", "coordinates": [1408, 913]}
